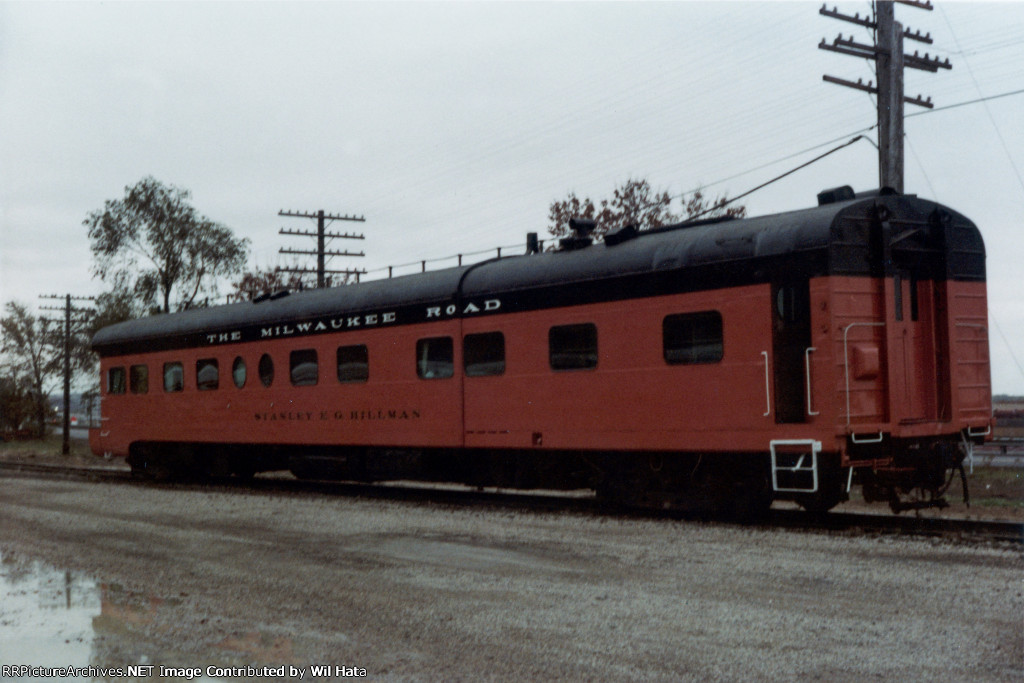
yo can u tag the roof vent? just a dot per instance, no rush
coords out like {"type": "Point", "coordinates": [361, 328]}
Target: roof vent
{"type": "Point", "coordinates": [884, 191]}
{"type": "Point", "coordinates": [620, 235]}
{"type": "Point", "coordinates": [843, 193]}
{"type": "Point", "coordinates": [532, 243]}
{"type": "Point", "coordinates": [581, 229]}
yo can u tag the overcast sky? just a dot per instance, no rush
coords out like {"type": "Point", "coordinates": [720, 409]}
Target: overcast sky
{"type": "Point", "coordinates": [452, 126]}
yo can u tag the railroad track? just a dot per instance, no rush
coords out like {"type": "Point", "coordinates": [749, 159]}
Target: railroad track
{"type": "Point", "coordinates": [950, 529]}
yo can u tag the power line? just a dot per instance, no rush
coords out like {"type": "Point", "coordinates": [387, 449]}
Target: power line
{"type": "Point", "coordinates": [841, 137]}
{"type": "Point", "coordinates": [321, 236]}
{"type": "Point", "coordinates": [858, 133]}
{"type": "Point", "coordinates": [963, 104]}
{"type": "Point", "coordinates": [68, 312]}
{"type": "Point", "coordinates": [1008, 347]}
{"type": "Point", "coordinates": [886, 50]}
{"type": "Point", "coordinates": [778, 177]}
{"type": "Point", "coordinates": [988, 111]}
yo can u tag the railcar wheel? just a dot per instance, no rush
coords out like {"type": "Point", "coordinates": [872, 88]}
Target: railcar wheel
{"type": "Point", "coordinates": [817, 505]}
{"type": "Point", "coordinates": [215, 467]}
{"type": "Point", "coordinates": [150, 466]}
{"type": "Point", "coordinates": [245, 471]}
{"type": "Point", "coordinates": [831, 488]}
{"type": "Point", "coordinates": [752, 499]}
{"type": "Point", "coordinates": [302, 471]}
{"type": "Point", "coordinates": [824, 500]}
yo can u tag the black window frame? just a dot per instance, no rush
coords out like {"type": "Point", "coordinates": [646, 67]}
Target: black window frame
{"type": "Point", "coordinates": [356, 356]}
{"type": "Point", "coordinates": [566, 353]}
{"type": "Point", "coordinates": [299, 361]}
{"type": "Point", "coordinates": [119, 385]}
{"type": "Point", "coordinates": [171, 388]}
{"type": "Point", "coordinates": [427, 365]}
{"type": "Point", "coordinates": [483, 354]}
{"type": "Point", "coordinates": [691, 343]}
{"type": "Point", "coordinates": [205, 383]}
{"type": "Point", "coordinates": [138, 378]}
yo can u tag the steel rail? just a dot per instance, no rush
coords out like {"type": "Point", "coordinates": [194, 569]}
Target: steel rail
{"type": "Point", "coordinates": [954, 530]}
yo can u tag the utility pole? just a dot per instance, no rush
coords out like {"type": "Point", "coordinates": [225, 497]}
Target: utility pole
{"type": "Point", "coordinates": [68, 312]}
{"type": "Point", "coordinates": [887, 52]}
{"type": "Point", "coordinates": [321, 237]}
{"type": "Point", "coordinates": [889, 72]}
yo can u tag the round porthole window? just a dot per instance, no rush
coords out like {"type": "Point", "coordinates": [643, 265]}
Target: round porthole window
{"type": "Point", "coordinates": [238, 372]}
{"type": "Point", "coordinates": [266, 369]}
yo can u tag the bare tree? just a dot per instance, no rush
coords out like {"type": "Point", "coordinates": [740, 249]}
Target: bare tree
{"type": "Point", "coordinates": [17, 407]}
{"type": "Point", "coordinates": [31, 360]}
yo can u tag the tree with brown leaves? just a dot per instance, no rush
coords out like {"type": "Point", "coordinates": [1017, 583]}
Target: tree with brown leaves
{"type": "Point", "coordinates": [635, 203]}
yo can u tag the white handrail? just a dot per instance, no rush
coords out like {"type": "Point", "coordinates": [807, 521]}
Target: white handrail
{"type": "Point", "coordinates": [873, 439]}
{"type": "Point", "coordinates": [797, 468]}
{"type": "Point", "coordinates": [767, 389]}
{"type": "Point", "coordinates": [807, 363]}
{"type": "Point", "coordinates": [969, 449]}
{"type": "Point", "coordinates": [846, 360]}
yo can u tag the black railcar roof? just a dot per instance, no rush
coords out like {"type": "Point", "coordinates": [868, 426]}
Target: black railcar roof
{"type": "Point", "coordinates": [835, 238]}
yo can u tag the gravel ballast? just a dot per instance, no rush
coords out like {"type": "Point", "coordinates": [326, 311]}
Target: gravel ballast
{"type": "Point", "coordinates": [422, 591]}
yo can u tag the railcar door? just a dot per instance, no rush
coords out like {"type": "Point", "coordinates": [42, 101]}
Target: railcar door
{"type": "Point", "coordinates": [791, 335]}
{"type": "Point", "coordinates": [919, 390]}
{"type": "Point", "coordinates": [918, 337]}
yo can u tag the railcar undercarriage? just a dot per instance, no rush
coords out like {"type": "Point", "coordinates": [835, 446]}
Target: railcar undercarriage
{"type": "Point", "coordinates": [918, 474]}
{"type": "Point", "coordinates": [908, 475]}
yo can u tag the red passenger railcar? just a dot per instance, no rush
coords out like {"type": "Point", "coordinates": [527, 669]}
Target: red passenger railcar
{"type": "Point", "coordinates": [718, 362]}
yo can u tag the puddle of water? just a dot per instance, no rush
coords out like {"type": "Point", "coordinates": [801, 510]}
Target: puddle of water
{"type": "Point", "coordinates": [52, 618]}
{"type": "Point", "coordinates": [45, 615]}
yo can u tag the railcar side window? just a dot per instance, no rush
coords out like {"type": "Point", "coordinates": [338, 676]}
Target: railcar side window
{"type": "Point", "coordinates": [692, 338]}
{"type": "Point", "coordinates": [238, 372]}
{"type": "Point", "coordinates": [174, 377]}
{"type": "Point", "coordinates": [305, 367]}
{"type": "Point", "coordinates": [115, 380]}
{"type": "Point", "coordinates": [138, 379]}
{"type": "Point", "coordinates": [484, 354]}
{"type": "Point", "coordinates": [435, 358]}
{"type": "Point", "coordinates": [791, 303]}
{"type": "Point", "coordinates": [573, 347]}
{"type": "Point", "coordinates": [266, 370]}
{"type": "Point", "coordinates": [207, 374]}
{"type": "Point", "coordinates": [353, 363]}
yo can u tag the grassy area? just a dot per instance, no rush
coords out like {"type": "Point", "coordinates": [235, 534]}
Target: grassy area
{"type": "Point", "coordinates": [47, 447]}
{"type": "Point", "coordinates": [996, 486]}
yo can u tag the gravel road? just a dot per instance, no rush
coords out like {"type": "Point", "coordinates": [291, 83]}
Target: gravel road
{"type": "Point", "coordinates": [420, 591]}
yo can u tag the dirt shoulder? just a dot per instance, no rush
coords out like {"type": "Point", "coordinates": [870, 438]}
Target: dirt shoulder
{"type": "Point", "coordinates": [419, 591]}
